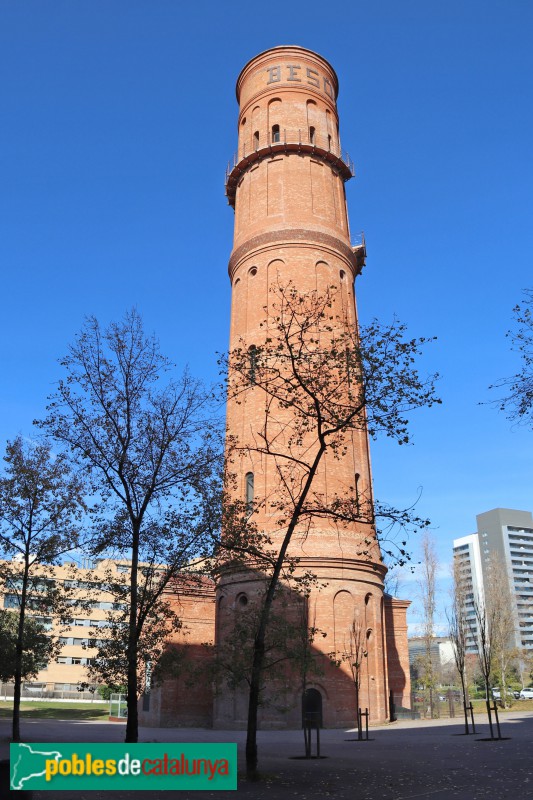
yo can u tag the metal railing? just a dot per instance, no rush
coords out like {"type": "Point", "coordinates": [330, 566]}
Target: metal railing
{"type": "Point", "coordinates": [47, 692]}
{"type": "Point", "coordinates": [293, 139]}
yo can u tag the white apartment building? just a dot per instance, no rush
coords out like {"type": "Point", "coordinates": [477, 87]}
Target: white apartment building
{"type": "Point", "coordinates": [504, 535]}
{"type": "Point", "coordinates": [467, 556]}
{"type": "Point", "coordinates": [441, 650]}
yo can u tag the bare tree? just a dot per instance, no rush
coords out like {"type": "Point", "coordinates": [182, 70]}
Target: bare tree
{"type": "Point", "coordinates": [41, 509]}
{"type": "Point", "coordinates": [481, 627]}
{"type": "Point", "coordinates": [320, 381]}
{"type": "Point", "coordinates": [502, 625]}
{"type": "Point", "coordinates": [355, 652]}
{"type": "Point", "coordinates": [148, 446]}
{"type": "Point", "coordinates": [491, 632]}
{"type": "Point", "coordinates": [459, 630]}
{"type": "Point", "coordinates": [427, 585]}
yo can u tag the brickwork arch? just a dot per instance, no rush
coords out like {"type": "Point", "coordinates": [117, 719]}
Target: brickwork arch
{"type": "Point", "coordinates": [343, 613]}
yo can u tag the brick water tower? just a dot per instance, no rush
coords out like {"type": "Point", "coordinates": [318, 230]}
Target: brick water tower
{"type": "Point", "coordinates": [286, 184]}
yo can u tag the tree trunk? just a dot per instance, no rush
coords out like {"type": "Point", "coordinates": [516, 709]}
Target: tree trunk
{"type": "Point", "coordinates": [132, 723]}
{"type": "Point", "coordinates": [359, 732]}
{"type": "Point", "coordinates": [463, 687]}
{"type": "Point", "coordinates": [259, 642]}
{"type": "Point", "coordinates": [15, 733]}
{"type": "Point", "coordinates": [253, 704]}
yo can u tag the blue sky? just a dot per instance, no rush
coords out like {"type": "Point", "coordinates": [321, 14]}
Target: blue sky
{"type": "Point", "coordinates": [118, 120]}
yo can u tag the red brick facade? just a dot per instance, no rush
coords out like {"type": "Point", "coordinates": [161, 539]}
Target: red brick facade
{"type": "Point", "coordinates": [397, 650]}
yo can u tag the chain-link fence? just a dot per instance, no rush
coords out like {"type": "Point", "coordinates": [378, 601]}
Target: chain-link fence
{"type": "Point", "coordinates": [435, 703]}
{"type": "Point", "coordinates": [48, 691]}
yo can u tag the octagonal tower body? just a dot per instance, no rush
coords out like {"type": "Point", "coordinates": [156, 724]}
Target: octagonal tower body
{"type": "Point", "coordinates": [286, 184]}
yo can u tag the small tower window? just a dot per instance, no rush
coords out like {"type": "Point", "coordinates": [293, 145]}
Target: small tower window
{"type": "Point", "coordinates": [256, 140]}
{"type": "Point", "coordinates": [252, 361]}
{"type": "Point", "coordinates": [329, 142]}
{"type": "Point", "coordinates": [275, 134]}
{"type": "Point", "coordinates": [312, 135]}
{"type": "Point", "coordinates": [249, 482]}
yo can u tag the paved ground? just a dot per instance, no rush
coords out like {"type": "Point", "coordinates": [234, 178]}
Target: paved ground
{"type": "Point", "coordinates": [419, 759]}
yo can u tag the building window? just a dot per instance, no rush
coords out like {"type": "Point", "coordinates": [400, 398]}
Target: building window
{"type": "Point", "coordinates": [249, 481]}
{"type": "Point", "coordinates": [312, 135]}
{"type": "Point", "coordinates": [256, 140]}
{"type": "Point", "coordinates": [275, 134]}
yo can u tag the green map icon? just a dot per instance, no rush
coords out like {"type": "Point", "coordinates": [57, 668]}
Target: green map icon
{"type": "Point", "coordinates": [30, 763]}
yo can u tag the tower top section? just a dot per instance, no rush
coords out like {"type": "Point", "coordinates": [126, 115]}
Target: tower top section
{"type": "Point", "coordinates": [287, 105]}
{"type": "Point", "coordinates": [287, 65]}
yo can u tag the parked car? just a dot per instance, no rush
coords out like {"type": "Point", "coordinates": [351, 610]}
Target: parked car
{"type": "Point", "coordinates": [497, 695]}
{"type": "Point", "coordinates": [526, 694]}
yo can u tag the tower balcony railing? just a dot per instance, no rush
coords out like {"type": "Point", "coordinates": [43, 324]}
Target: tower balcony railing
{"type": "Point", "coordinates": [286, 141]}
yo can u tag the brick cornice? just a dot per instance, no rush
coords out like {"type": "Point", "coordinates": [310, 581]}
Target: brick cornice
{"type": "Point", "coordinates": [351, 569]}
{"type": "Point", "coordinates": [295, 237]}
{"type": "Point", "coordinates": [395, 602]}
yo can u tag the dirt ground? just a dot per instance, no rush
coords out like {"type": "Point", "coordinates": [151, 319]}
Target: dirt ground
{"type": "Point", "coordinates": [408, 759]}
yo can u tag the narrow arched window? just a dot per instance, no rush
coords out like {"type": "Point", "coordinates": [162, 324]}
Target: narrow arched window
{"type": "Point", "coordinates": [256, 140]}
{"type": "Point", "coordinates": [249, 488]}
{"type": "Point", "coordinates": [329, 142]}
{"type": "Point", "coordinates": [252, 357]}
{"type": "Point", "coordinates": [275, 134]}
{"type": "Point", "coordinates": [357, 500]}
{"type": "Point", "coordinates": [312, 135]}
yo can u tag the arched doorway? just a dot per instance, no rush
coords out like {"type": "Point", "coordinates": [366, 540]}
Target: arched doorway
{"type": "Point", "coordinates": [312, 707]}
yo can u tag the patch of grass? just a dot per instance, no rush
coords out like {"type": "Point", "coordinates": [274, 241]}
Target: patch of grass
{"type": "Point", "coordinates": [43, 710]}
{"type": "Point", "coordinates": [517, 705]}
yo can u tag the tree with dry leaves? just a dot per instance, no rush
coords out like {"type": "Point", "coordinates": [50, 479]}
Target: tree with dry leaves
{"type": "Point", "coordinates": [41, 510]}
{"type": "Point", "coordinates": [150, 449]}
{"type": "Point", "coordinates": [517, 401]}
{"type": "Point", "coordinates": [321, 380]}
